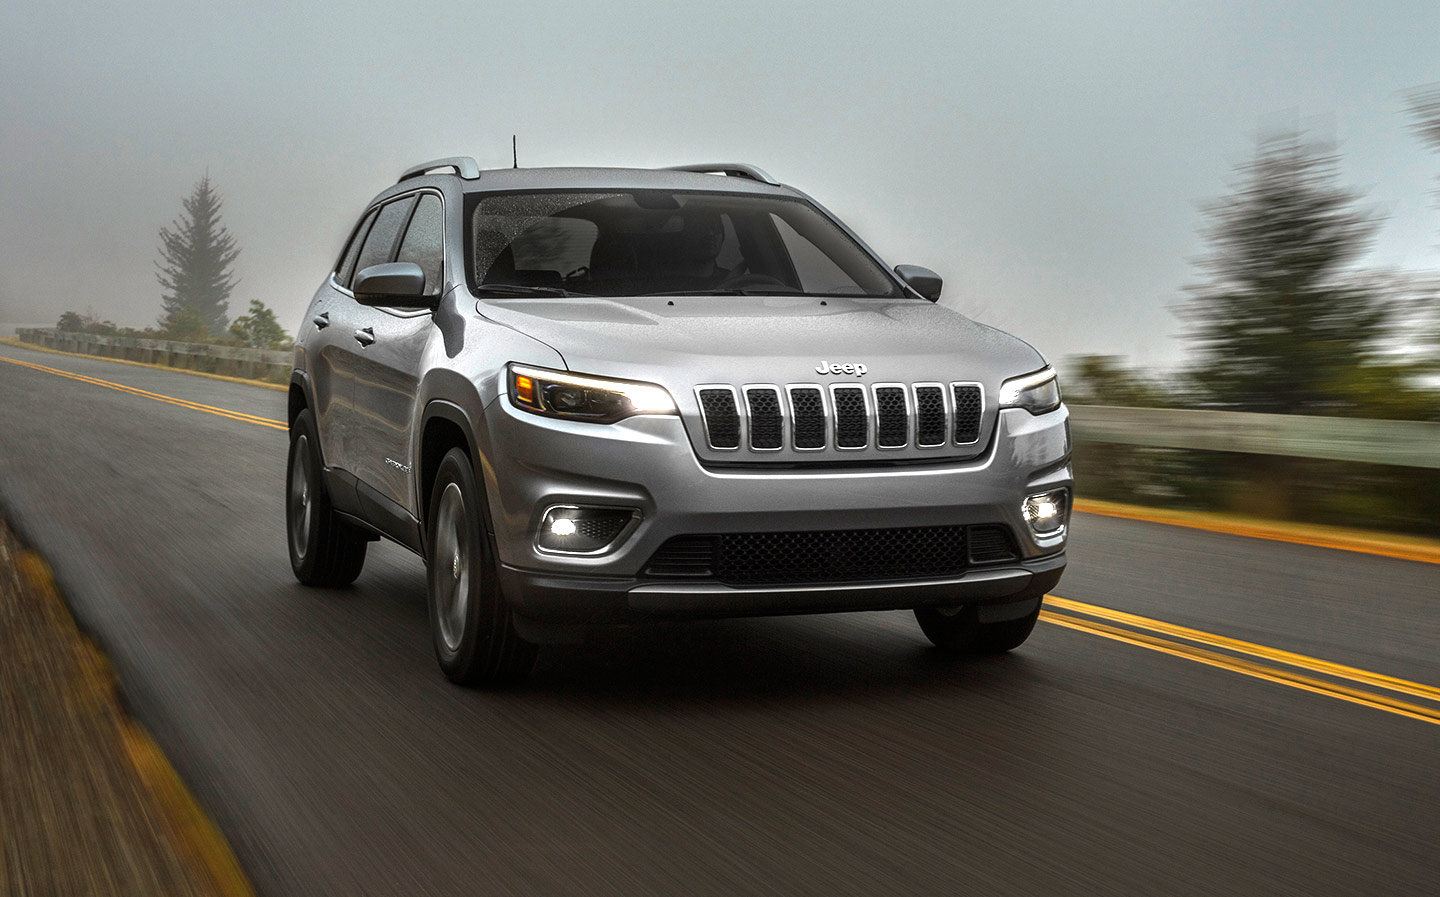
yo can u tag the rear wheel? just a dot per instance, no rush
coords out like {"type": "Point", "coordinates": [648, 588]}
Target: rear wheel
{"type": "Point", "coordinates": [959, 630]}
{"type": "Point", "coordinates": [470, 623]}
{"type": "Point", "coordinates": [324, 550]}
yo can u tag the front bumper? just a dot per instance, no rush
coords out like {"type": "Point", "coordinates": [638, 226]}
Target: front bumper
{"type": "Point", "coordinates": [546, 598]}
{"type": "Point", "coordinates": [647, 463]}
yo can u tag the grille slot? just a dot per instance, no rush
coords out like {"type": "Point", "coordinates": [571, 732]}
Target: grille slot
{"type": "Point", "coordinates": [892, 424]}
{"type": "Point", "coordinates": [807, 415]}
{"type": "Point", "coordinates": [991, 544]}
{"type": "Point", "coordinates": [767, 428]}
{"type": "Point", "coordinates": [929, 416]}
{"type": "Point", "coordinates": [722, 420]}
{"type": "Point", "coordinates": [969, 405]}
{"type": "Point", "coordinates": [852, 423]}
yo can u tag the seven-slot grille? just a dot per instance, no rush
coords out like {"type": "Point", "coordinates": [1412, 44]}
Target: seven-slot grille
{"type": "Point", "coordinates": [845, 416]}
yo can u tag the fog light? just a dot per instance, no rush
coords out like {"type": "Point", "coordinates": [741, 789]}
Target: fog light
{"type": "Point", "coordinates": [568, 529]}
{"type": "Point", "coordinates": [1047, 512]}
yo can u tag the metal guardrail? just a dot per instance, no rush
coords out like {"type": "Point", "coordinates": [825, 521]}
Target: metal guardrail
{"type": "Point", "coordinates": [232, 361]}
{"type": "Point", "coordinates": [1395, 442]}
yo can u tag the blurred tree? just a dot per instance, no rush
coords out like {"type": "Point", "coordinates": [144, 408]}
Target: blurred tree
{"type": "Point", "coordinates": [1425, 109]}
{"type": "Point", "coordinates": [1285, 323]}
{"type": "Point", "coordinates": [187, 325]}
{"type": "Point", "coordinates": [1107, 380]}
{"type": "Point", "coordinates": [260, 329]}
{"type": "Point", "coordinates": [74, 322]}
{"type": "Point", "coordinates": [196, 253]}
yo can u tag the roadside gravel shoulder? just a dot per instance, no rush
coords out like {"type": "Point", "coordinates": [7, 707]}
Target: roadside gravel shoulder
{"type": "Point", "coordinates": [88, 804]}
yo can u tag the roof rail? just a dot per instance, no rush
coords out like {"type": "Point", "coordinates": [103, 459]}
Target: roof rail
{"type": "Point", "coordinates": [729, 169]}
{"type": "Point", "coordinates": [463, 165]}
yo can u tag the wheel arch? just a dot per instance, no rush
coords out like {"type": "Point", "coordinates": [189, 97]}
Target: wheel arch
{"type": "Point", "coordinates": [300, 397]}
{"type": "Point", "coordinates": [443, 426]}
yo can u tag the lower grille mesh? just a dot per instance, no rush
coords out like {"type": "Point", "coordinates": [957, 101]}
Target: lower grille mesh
{"type": "Point", "coordinates": [833, 556]}
{"type": "Point", "coordinates": [991, 544]}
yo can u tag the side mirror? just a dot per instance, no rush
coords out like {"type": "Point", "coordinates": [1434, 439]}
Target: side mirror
{"type": "Point", "coordinates": [397, 284]}
{"type": "Point", "coordinates": [922, 280]}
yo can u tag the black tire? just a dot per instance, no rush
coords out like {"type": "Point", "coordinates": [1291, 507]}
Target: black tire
{"type": "Point", "coordinates": [471, 624]}
{"type": "Point", "coordinates": [325, 551]}
{"type": "Point", "coordinates": [961, 632]}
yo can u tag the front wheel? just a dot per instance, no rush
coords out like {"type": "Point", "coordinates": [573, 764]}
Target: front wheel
{"type": "Point", "coordinates": [959, 630]}
{"type": "Point", "coordinates": [470, 623]}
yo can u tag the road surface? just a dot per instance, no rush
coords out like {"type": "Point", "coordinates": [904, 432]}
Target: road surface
{"type": "Point", "coordinates": [808, 755]}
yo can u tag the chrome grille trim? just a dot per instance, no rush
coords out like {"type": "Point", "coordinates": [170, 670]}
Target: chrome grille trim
{"type": "Point", "coordinates": [796, 413]}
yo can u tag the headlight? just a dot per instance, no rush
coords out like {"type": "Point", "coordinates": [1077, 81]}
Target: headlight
{"type": "Point", "coordinates": [580, 397]}
{"type": "Point", "coordinates": [1037, 393]}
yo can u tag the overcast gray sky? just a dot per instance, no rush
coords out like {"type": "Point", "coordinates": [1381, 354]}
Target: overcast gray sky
{"type": "Point", "coordinates": [1046, 161]}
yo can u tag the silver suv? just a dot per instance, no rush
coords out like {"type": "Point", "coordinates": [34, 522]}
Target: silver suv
{"type": "Point", "coordinates": [591, 395]}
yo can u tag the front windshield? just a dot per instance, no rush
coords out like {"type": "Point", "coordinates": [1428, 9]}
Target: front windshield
{"type": "Point", "coordinates": [662, 242]}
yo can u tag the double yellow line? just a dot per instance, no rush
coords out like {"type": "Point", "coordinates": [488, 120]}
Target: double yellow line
{"type": "Point", "coordinates": [1310, 674]}
{"type": "Point", "coordinates": [169, 400]}
{"type": "Point", "coordinates": [1333, 680]}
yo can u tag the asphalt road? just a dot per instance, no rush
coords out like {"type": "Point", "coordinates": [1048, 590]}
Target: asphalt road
{"type": "Point", "coordinates": [808, 755]}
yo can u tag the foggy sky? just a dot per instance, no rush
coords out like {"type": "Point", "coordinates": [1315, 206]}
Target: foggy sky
{"type": "Point", "coordinates": [1046, 162]}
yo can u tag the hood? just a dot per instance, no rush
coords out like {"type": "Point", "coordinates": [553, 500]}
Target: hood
{"type": "Point", "coordinates": [680, 341]}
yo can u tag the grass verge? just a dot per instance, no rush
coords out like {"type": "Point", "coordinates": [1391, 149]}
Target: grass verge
{"type": "Point", "coordinates": [88, 803]}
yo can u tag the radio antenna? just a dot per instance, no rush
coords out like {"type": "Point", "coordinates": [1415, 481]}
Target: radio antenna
{"type": "Point", "coordinates": [514, 155]}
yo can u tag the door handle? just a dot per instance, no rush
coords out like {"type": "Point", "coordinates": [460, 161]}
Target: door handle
{"type": "Point", "coordinates": [321, 321]}
{"type": "Point", "coordinates": [365, 336]}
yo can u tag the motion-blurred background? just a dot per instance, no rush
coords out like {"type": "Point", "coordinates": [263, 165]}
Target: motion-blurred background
{"type": "Point", "coordinates": [1197, 206]}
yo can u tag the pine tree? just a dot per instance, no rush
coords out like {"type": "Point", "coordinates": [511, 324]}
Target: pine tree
{"type": "Point", "coordinates": [1285, 323]}
{"type": "Point", "coordinates": [196, 253]}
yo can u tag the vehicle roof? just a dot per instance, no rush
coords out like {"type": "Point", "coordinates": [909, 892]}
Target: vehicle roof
{"type": "Point", "coordinates": [507, 179]}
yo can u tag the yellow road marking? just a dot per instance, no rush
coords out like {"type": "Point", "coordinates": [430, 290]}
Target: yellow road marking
{"type": "Point", "coordinates": [171, 400]}
{"type": "Point", "coordinates": [1289, 658]}
{"type": "Point", "coordinates": [1406, 549]}
{"type": "Point", "coordinates": [32, 347]}
{"type": "Point", "coordinates": [1245, 667]}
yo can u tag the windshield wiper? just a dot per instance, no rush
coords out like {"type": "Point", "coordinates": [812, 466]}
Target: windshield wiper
{"type": "Point", "coordinates": [697, 293]}
{"type": "Point", "coordinates": [517, 289]}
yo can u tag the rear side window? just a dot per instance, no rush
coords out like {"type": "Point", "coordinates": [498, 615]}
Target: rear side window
{"type": "Point", "coordinates": [380, 242]}
{"type": "Point", "coordinates": [352, 252]}
{"type": "Point", "coordinates": [424, 242]}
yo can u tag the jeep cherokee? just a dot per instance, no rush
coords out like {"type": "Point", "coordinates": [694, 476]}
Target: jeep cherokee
{"type": "Point", "coordinates": [591, 395]}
